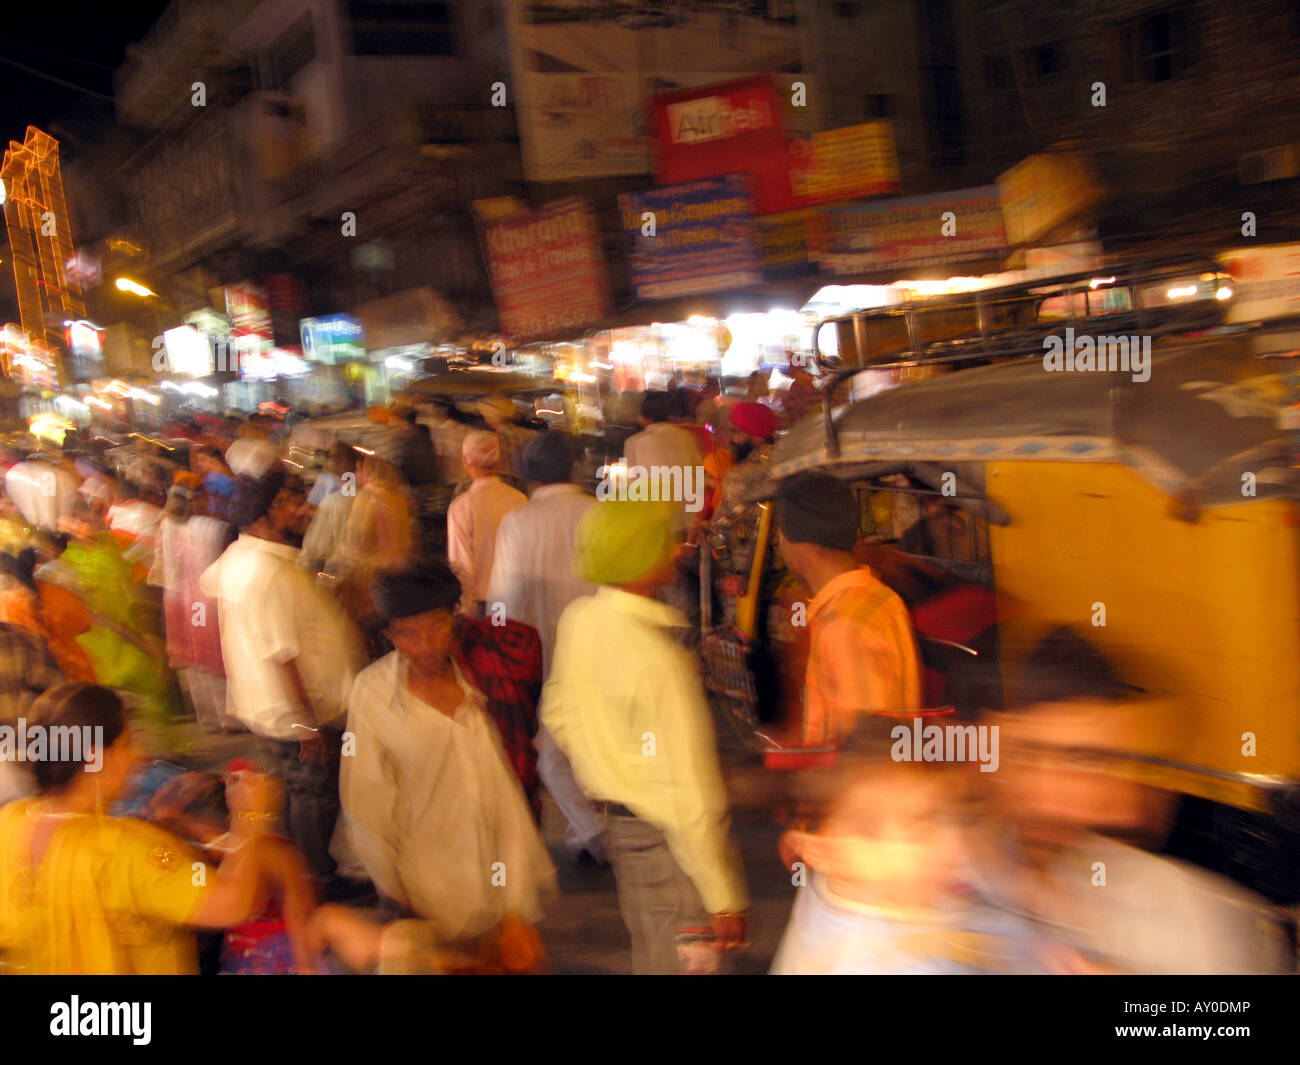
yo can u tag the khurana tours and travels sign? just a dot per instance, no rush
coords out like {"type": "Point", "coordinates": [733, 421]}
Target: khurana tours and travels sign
{"type": "Point", "coordinates": [548, 270]}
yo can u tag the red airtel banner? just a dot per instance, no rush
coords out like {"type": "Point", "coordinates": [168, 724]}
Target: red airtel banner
{"type": "Point", "coordinates": [728, 128]}
{"type": "Point", "coordinates": [548, 270]}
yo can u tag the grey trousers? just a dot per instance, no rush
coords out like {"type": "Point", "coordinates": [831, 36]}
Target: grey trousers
{"type": "Point", "coordinates": [659, 903]}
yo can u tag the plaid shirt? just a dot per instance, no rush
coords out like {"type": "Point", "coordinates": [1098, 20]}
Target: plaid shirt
{"type": "Point", "coordinates": [504, 662]}
{"type": "Point", "coordinates": [26, 670]}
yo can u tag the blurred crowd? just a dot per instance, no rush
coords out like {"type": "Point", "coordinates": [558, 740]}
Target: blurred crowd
{"type": "Point", "coordinates": [415, 647]}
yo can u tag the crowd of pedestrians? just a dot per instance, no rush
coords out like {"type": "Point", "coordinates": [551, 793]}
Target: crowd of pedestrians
{"type": "Point", "coordinates": [405, 710]}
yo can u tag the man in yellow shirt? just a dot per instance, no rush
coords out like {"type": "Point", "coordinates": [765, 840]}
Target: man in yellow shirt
{"type": "Point", "coordinates": [625, 703]}
{"type": "Point", "coordinates": [863, 655]}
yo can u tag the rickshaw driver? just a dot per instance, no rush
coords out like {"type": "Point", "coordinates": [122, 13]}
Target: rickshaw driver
{"type": "Point", "coordinates": [753, 428]}
{"type": "Point", "coordinates": [863, 655]}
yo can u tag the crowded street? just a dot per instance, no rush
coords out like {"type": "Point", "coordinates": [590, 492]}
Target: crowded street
{"type": "Point", "coordinates": [607, 488]}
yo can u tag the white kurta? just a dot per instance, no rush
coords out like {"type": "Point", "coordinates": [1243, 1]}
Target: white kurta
{"type": "Point", "coordinates": [662, 444]}
{"type": "Point", "coordinates": [43, 493]}
{"type": "Point", "coordinates": [472, 523]}
{"type": "Point", "coordinates": [435, 812]}
{"type": "Point", "coordinates": [532, 566]}
{"type": "Point", "coordinates": [271, 612]}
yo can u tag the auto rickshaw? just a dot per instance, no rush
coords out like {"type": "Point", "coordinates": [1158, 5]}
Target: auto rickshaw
{"type": "Point", "coordinates": [1160, 518]}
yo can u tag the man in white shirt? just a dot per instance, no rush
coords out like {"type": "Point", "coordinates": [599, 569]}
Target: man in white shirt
{"type": "Point", "coordinates": [474, 517]}
{"type": "Point", "coordinates": [290, 656]}
{"type": "Point", "coordinates": [434, 810]}
{"type": "Point", "coordinates": [625, 703]}
{"type": "Point", "coordinates": [533, 581]}
{"type": "Point", "coordinates": [663, 444]}
{"type": "Point", "coordinates": [42, 491]}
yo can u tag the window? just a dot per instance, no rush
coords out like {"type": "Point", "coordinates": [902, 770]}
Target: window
{"type": "Point", "coordinates": [401, 27]}
{"type": "Point", "coordinates": [1050, 59]}
{"type": "Point", "coordinates": [1156, 48]}
{"type": "Point", "coordinates": [1044, 60]}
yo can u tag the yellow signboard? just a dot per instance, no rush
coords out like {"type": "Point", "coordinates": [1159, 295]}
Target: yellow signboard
{"type": "Point", "coordinates": [1043, 191]}
{"type": "Point", "coordinates": [842, 164]}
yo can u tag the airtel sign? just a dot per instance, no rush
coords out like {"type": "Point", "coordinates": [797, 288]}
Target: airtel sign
{"type": "Point", "coordinates": [713, 118]}
{"type": "Point", "coordinates": [731, 128]}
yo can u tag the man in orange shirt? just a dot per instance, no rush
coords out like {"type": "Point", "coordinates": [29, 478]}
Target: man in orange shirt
{"type": "Point", "coordinates": [863, 654]}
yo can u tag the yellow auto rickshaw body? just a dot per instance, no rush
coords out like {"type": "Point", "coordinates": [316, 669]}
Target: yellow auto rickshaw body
{"type": "Point", "coordinates": [1204, 613]}
{"type": "Point", "coordinates": [1158, 518]}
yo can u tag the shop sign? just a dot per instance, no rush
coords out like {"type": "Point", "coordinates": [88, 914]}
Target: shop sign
{"type": "Point", "coordinates": [944, 227]}
{"type": "Point", "coordinates": [1045, 191]}
{"type": "Point", "coordinates": [734, 127]}
{"type": "Point", "coordinates": [844, 164]}
{"type": "Point", "coordinates": [332, 339]}
{"type": "Point", "coordinates": [691, 238]}
{"type": "Point", "coordinates": [248, 311]}
{"type": "Point", "coordinates": [548, 270]}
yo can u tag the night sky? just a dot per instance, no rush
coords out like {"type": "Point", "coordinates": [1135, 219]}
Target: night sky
{"type": "Point", "coordinates": [79, 45]}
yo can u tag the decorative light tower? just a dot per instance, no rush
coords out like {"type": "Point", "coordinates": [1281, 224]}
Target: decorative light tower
{"type": "Point", "coordinates": [40, 241]}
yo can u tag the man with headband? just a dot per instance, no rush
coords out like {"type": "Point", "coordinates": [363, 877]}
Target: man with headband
{"type": "Point", "coordinates": [436, 813]}
{"type": "Point", "coordinates": [475, 515]}
{"type": "Point", "coordinates": [625, 703]}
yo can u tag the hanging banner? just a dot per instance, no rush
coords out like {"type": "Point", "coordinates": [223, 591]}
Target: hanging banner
{"type": "Point", "coordinates": [692, 238]}
{"type": "Point", "coordinates": [844, 164]}
{"type": "Point", "coordinates": [413, 316]}
{"type": "Point", "coordinates": [944, 227]}
{"type": "Point", "coordinates": [548, 270]}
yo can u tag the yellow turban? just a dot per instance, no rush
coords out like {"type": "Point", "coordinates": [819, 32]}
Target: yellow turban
{"type": "Point", "coordinates": [621, 541]}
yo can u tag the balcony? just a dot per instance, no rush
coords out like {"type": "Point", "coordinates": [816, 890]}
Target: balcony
{"type": "Point", "coordinates": [152, 88]}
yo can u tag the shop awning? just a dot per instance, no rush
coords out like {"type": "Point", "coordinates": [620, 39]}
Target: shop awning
{"type": "Point", "coordinates": [776, 295]}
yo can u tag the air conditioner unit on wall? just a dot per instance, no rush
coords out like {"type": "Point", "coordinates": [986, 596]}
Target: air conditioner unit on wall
{"type": "Point", "coordinates": [1268, 164]}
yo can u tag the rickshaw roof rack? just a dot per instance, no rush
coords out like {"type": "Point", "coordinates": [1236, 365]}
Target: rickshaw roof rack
{"type": "Point", "coordinates": [1007, 321]}
{"type": "Point", "coordinates": [1202, 416]}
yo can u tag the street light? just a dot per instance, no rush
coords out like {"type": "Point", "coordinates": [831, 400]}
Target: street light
{"type": "Point", "coordinates": [125, 284]}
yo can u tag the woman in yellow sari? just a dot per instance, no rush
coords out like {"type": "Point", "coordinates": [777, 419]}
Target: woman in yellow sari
{"type": "Point", "coordinates": [85, 893]}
